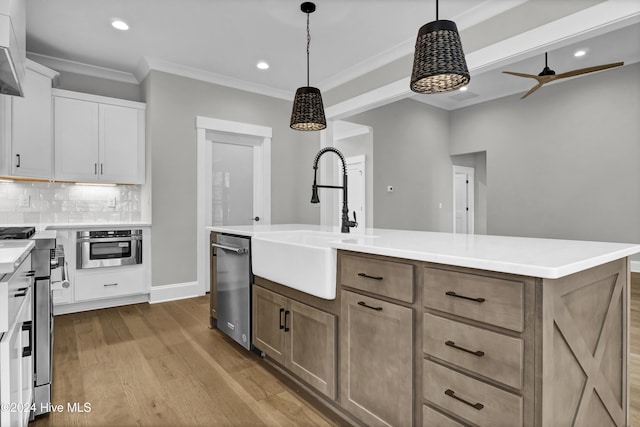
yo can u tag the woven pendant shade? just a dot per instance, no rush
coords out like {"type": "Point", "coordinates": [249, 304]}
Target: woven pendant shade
{"type": "Point", "coordinates": [439, 64]}
{"type": "Point", "coordinates": [308, 110]}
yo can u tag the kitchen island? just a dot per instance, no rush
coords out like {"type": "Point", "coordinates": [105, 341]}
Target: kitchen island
{"type": "Point", "coordinates": [445, 329]}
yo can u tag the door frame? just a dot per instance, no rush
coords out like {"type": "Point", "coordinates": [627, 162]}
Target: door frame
{"type": "Point", "coordinates": [470, 172]}
{"type": "Point", "coordinates": [240, 133]}
{"type": "Point", "coordinates": [359, 161]}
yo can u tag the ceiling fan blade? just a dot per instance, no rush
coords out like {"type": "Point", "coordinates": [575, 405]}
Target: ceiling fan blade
{"type": "Point", "coordinates": [588, 70]}
{"type": "Point", "coordinates": [531, 76]}
{"type": "Point", "coordinates": [533, 89]}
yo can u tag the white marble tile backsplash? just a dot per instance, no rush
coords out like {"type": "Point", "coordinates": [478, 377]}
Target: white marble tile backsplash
{"type": "Point", "coordinates": [57, 203]}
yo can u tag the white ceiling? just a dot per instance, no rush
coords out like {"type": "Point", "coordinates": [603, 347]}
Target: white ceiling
{"type": "Point", "coordinates": [222, 40]}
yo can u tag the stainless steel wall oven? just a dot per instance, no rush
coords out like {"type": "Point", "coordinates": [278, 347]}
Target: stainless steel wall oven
{"type": "Point", "coordinates": [108, 248]}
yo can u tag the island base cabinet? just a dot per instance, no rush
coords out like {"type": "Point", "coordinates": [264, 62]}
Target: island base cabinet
{"type": "Point", "coordinates": [376, 363]}
{"type": "Point", "coordinates": [299, 337]}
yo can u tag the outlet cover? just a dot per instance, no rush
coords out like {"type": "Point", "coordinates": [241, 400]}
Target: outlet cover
{"type": "Point", "coordinates": [111, 203]}
{"type": "Point", "coordinates": [24, 201]}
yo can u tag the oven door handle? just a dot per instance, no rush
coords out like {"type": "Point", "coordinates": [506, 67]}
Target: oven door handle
{"type": "Point", "coordinates": [239, 251]}
{"type": "Point", "coordinates": [109, 239]}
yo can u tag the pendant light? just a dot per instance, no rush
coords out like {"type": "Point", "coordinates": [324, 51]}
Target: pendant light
{"type": "Point", "coordinates": [438, 62]}
{"type": "Point", "coordinates": [308, 110]}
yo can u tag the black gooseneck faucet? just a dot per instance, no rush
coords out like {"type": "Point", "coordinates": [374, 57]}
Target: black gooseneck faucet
{"type": "Point", "coordinates": [346, 223]}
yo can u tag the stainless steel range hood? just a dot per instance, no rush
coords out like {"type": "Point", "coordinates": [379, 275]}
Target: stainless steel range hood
{"type": "Point", "coordinates": [12, 46]}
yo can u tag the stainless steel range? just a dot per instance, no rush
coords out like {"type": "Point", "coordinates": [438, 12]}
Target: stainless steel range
{"type": "Point", "coordinates": [44, 257]}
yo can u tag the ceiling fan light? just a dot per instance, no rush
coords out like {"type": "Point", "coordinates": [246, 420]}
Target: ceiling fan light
{"type": "Point", "coordinates": [439, 64]}
{"type": "Point", "coordinates": [308, 110]}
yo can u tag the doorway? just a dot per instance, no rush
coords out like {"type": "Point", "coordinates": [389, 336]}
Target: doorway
{"type": "Point", "coordinates": [463, 199]}
{"type": "Point", "coordinates": [234, 180]}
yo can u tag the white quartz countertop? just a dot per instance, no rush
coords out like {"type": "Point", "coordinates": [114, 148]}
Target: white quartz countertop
{"type": "Point", "coordinates": [544, 258]}
{"type": "Point", "coordinates": [12, 253]}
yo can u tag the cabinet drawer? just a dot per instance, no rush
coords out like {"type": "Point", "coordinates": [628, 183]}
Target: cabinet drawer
{"type": "Point", "coordinates": [433, 418]}
{"type": "Point", "coordinates": [486, 299]}
{"type": "Point", "coordinates": [109, 283]}
{"type": "Point", "coordinates": [13, 291]}
{"type": "Point", "coordinates": [388, 278]}
{"type": "Point", "coordinates": [487, 353]}
{"type": "Point", "coordinates": [457, 393]}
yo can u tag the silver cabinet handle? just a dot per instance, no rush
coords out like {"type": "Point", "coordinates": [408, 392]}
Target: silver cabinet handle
{"type": "Point", "coordinates": [239, 251]}
{"type": "Point", "coordinates": [110, 284]}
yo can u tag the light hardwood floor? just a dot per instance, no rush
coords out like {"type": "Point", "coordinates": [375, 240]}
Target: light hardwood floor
{"type": "Point", "coordinates": [161, 365]}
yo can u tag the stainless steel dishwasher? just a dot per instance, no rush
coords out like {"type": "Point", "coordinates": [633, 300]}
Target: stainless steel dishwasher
{"type": "Point", "coordinates": [234, 278]}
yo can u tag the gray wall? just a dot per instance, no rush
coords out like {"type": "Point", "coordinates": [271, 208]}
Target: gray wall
{"type": "Point", "coordinates": [173, 103]}
{"type": "Point", "coordinates": [410, 152]}
{"type": "Point", "coordinates": [99, 86]}
{"type": "Point", "coordinates": [563, 163]}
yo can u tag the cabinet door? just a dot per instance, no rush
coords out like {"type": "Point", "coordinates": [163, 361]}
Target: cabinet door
{"type": "Point", "coordinates": [32, 154]}
{"type": "Point", "coordinates": [376, 360]}
{"type": "Point", "coordinates": [269, 323]}
{"type": "Point", "coordinates": [11, 372]}
{"type": "Point", "coordinates": [119, 128]}
{"type": "Point", "coordinates": [312, 346]}
{"type": "Point", "coordinates": [213, 284]}
{"type": "Point", "coordinates": [76, 139]}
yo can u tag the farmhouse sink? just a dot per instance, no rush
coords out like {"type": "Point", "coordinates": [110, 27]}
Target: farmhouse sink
{"type": "Point", "coordinates": [302, 260]}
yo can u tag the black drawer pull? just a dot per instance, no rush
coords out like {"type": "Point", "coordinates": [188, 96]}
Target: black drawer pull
{"type": "Point", "coordinates": [286, 315]}
{"type": "Point", "coordinates": [362, 303]}
{"type": "Point", "coordinates": [453, 294]}
{"type": "Point", "coordinates": [475, 353]}
{"type": "Point", "coordinates": [452, 393]}
{"type": "Point", "coordinates": [370, 277]}
{"type": "Point", "coordinates": [281, 313]}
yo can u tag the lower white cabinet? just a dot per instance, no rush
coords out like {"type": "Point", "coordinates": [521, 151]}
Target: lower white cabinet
{"type": "Point", "coordinates": [16, 367]}
{"type": "Point", "coordinates": [109, 282]}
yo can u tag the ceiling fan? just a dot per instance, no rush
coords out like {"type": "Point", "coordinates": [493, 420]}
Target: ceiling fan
{"type": "Point", "coordinates": [548, 75]}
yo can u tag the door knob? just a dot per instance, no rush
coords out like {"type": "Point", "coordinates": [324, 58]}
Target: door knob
{"type": "Point", "coordinates": [255, 219]}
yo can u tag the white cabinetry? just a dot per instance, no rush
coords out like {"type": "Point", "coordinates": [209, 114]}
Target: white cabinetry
{"type": "Point", "coordinates": [98, 139]}
{"type": "Point", "coordinates": [25, 138]}
{"type": "Point", "coordinates": [16, 360]}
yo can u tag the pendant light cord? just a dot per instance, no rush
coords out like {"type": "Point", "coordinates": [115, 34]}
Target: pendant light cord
{"type": "Point", "coordinates": [437, 18]}
{"type": "Point", "coordinates": [308, 43]}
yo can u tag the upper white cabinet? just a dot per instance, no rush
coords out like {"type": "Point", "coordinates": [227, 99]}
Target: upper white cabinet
{"type": "Point", "coordinates": [98, 139]}
{"type": "Point", "coordinates": [25, 139]}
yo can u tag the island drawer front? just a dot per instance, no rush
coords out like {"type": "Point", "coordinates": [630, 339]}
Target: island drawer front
{"type": "Point", "coordinates": [109, 283]}
{"type": "Point", "coordinates": [433, 418]}
{"type": "Point", "coordinates": [486, 299]}
{"type": "Point", "coordinates": [388, 278]}
{"type": "Point", "coordinates": [487, 353]}
{"type": "Point", "coordinates": [457, 393]}
{"type": "Point", "coordinates": [13, 292]}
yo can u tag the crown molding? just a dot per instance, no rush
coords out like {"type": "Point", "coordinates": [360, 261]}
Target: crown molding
{"type": "Point", "coordinates": [81, 68]}
{"type": "Point", "coordinates": [148, 63]}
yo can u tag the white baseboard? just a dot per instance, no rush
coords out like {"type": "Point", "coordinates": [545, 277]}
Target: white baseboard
{"type": "Point", "coordinates": [635, 266]}
{"type": "Point", "coordinates": [173, 292]}
{"type": "Point", "coordinates": [98, 304]}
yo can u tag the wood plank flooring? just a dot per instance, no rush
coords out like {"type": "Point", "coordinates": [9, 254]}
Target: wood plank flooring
{"type": "Point", "coordinates": [160, 365]}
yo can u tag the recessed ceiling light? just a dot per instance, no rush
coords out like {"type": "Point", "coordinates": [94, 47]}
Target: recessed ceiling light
{"type": "Point", "coordinates": [119, 25]}
{"type": "Point", "coordinates": [463, 88]}
{"type": "Point", "coordinates": [580, 53]}
{"type": "Point", "coordinates": [262, 65]}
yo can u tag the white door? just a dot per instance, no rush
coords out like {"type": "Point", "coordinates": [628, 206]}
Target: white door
{"type": "Point", "coordinates": [232, 185]}
{"type": "Point", "coordinates": [356, 190]}
{"type": "Point", "coordinates": [463, 199]}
